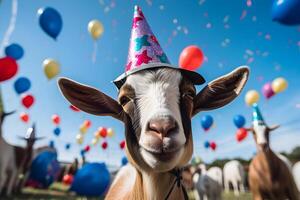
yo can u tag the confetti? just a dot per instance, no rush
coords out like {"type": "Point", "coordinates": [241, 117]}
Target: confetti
{"type": "Point", "coordinates": [161, 7]}
{"type": "Point", "coordinates": [244, 14]}
{"type": "Point", "coordinates": [208, 25]}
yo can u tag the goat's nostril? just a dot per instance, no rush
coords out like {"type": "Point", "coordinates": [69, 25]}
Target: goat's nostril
{"type": "Point", "coordinates": [162, 126]}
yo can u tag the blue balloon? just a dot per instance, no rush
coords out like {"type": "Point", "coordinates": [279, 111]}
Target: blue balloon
{"type": "Point", "coordinates": [206, 122]}
{"type": "Point", "coordinates": [82, 152]}
{"type": "Point", "coordinates": [286, 12]}
{"type": "Point", "coordinates": [51, 144]}
{"type": "Point", "coordinates": [124, 161]}
{"type": "Point", "coordinates": [239, 121]}
{"type": "Point", "coordinates": [206, 144]}
{"type": "Point", "coordinates": [50, 21]}
{"type": "Point", "coordinates": [91, 180]}
{"type": "Point", "coordinates": [14, 51]}
{"type": "Point", "coordinates": [57, 131]}
{"type": "Point", "coordinates": [44, 168]}
{"type": "Point", "coordinates": [68, 146]}
{"type": "Point", "coordinates": [22, 84]}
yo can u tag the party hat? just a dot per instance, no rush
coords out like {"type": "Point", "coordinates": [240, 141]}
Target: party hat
{"type": "Point", "coordinates": [145, 52]}
{"type": "Point", "coordinates": [256, 115]}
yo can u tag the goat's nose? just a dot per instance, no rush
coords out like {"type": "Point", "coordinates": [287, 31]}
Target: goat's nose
{"type": "Point", "coordinates": [163, 126]}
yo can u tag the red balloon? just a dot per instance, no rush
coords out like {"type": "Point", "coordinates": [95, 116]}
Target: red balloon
{"type": "Point", "coordinates": [241, 134]}
{"type": "Point", "coordinates": [213, 145]}
{"type": "Point", "coordinates": [27, 100]}
{"type": "Point", "coordinates": [191, 58]}
{"type": "Point", "coordinates": [56, 119]}
{"type": "Point", "coordinates": [68, 179]}
{"type": "Point", "coordinates": [102, 132]}
{"type": "Point", "coordinates": [75, 109]}
{"type": "Point", "coordinates": [87, 148]}
{"type": "Point", "coordinates": [104, 145]}
{"type": "Point", "coordinates": [24, 117]}
{"type": "Point", "coordinates": [122, 144]}
{"type": "Point", "coordinates": [87, 123]}
{"type": "Point", "coordinates": [8, 68]}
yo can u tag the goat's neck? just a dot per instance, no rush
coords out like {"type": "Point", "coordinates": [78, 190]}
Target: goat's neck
{"type": "Point", "coordinates": [155, 186]}
{"type": "Point", "coordinates": [271, 161]}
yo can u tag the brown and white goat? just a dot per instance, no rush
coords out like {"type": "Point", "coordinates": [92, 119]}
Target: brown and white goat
{"type": "Point", "coordinates": [269, 177]}
{"type": "Point", "coordinates": [156, 106]}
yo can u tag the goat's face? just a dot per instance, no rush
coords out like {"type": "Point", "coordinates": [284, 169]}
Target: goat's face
{"type": "Point", "coordinates": [156, 107]}
{"type": "Point", "coordinates": [153, 100]}
{"type": "Point", "coordinates": [261, 134]}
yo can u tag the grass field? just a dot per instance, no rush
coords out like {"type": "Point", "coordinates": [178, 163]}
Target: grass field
{"type": "Point", "coordinates": [60, 192]}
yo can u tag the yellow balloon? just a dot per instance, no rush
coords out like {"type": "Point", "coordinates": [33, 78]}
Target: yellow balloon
{"type": "Point", "coordinates": [110, 132]}
{"type": "Point", "coordinates": [51, 68]}
{"type": "Point", "coordinates": [83, 129]}
{"type": "Point", "coordinates": [95, 141]}
{"type": "Point", "coordinates": [279, 85]}
{"type": "Point", "coordinates": [79, 138]}
{"type": "Point", "coordinates": [251, 97]}
{"type": "Point", "coordinates": [95, 28]}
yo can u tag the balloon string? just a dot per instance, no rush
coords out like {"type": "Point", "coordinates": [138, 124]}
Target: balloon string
{"type": "Point", "coordinates": [11, 27]}
{"type": "Point", "coordinates": [94, 55]}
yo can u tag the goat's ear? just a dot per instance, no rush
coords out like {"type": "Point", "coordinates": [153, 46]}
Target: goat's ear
{"type": "Point", "coordinates": [274, 127]}
{"type": "Point", "coordinates": [221, 91]}
{"type": "Point", "coordinates": [89, 99]}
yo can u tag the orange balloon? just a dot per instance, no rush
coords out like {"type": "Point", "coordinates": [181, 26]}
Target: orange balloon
{"type": "Point", "coordinates": [191, 58]}
{"type": "Point", "coordinates": [24, 117]}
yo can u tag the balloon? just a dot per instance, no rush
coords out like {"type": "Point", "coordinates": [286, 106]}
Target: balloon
{"type": "Point", "coordinates": [191, 58]}
{"type": "Point", "coordinates": [110, 132]}
{"type": "Point", "coordinates": [45, 168]}
{"type": "Point", "coordinates": [24, 117]}
{"type": "Point", "coordinates": [103, 132]}
{"type": "Point", "coordinates": [251, 97]}
{"type": "Point", "coordinates": [57, 131]}
{"type": "Point", "coordinates": [55, 119]}
{"type": "Point", "coordinates": [104, 145]}
{"type": "Point", "coordinates": [124, 161]}
{"type": "Point", "coordinates": [87, 123]}
{"type": "Point", "coordinates": [68, 146]}
{"type": "Point", "coordinates": [68, 179]}
{"type": "Point", "coordinates": [279, 85]}
{"type": "Point", "coordinates": [95, 141]}
{"type": "Point", "coordinates": [27, 100]}
{"type": "Point", "coordinates": [79, 138]}
{"type": "Point", "coordinates": [213, 145]}
{"type": "Point", "coordinates": [95, 28]}
{"type": "Point", "coordinates": [51, 144]}
{"type": "Point", "coordinates": [8, 68]}
{"type": "Point", "coordinates": [22, 84]}
{"type": "Point", "coordinates": [51, 68]}
{"type": "Point", "coordinates": [75, 109]}
{"type": "Point", "coordinates": [241, 134]}
{"type": "Point", "coordinates": [122, 144]}
{"type": "Point", "coordinates": [83, 129]}
{"type": "Point", "coordinates": [206, 122]}
{"type": "Point", "coordinates": [82, 152]}
{"type": "Point", "coordinates": [239, 121]}
{"type": "Point", "coordinates": [206, 144]}
{"type": "Point", "coordinates": [286, 12]}
{"type": "Point", "coordinates": [50, 21]}
{"type": "Point", "coordinates": [87, 148]}
{"type": "Point", "coordinates": [92, 179]}
{"type": "Point", "coordinates": [97, 134]}
{"type": "Point", "coordinates": [267, 90]}
{"type": "Point", "coordinates": [14, 51]}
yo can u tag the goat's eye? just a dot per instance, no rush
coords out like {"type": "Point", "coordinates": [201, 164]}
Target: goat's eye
{"type": "Point", "coordinates": [189, 94]}
{"type": "Point", "coordinates": [124, 100]}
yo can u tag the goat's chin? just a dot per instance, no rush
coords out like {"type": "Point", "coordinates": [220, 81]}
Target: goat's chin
{"type": "Point", "coordinates": [162, 162]}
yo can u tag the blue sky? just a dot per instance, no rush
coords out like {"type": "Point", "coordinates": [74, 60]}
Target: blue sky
{"type": "Point", "coordinates": [228, 32]}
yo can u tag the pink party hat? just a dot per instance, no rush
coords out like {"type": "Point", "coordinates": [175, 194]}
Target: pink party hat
{"type": "Point", "coordinates": [146, 53]}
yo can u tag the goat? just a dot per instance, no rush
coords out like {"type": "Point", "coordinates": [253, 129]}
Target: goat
{"type": "Point", "coordinates": [216, 174]}
{"type": "Point", "coordinates": [206, 187]}
{"type": "Point", "coordinates": [156, 107]}
{"type": "Point", "coordinates": [296, 174]}
{"type": "Point", "coordinates": [269, 177]}
{"type": "Point", "coordinates": [234, 173]}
